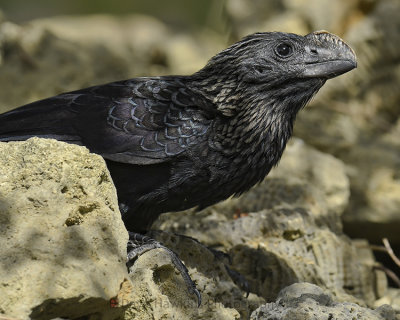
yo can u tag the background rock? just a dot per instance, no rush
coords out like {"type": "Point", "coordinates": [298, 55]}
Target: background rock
{"type": "Point", "coordinates": [306, 301]}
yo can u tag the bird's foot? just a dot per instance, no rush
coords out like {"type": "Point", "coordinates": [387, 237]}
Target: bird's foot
{"type": "Point", "coordinates": [139, 244]}
{"type": "Point", "coordinates": [239, 280]}
{"type": "Point", "coordinates": [224, 257]}
{"type": "Point", "coordinates": [236, 277]}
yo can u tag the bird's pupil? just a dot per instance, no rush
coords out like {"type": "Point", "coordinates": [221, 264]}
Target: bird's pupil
{"type": "Point", "coordinates": [284, 49]}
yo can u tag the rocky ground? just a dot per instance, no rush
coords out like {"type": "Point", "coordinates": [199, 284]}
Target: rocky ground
{"type": "Point", "coordinates": [62, 240]}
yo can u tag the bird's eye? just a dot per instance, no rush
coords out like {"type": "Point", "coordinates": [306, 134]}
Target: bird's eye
{"type": "Point", "coordinates": [284, 50]}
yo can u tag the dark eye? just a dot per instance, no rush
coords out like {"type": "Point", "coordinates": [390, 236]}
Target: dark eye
{"type": "Point", "coordinates": [284, 50]}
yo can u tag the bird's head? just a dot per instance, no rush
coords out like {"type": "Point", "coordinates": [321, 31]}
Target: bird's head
{"type": "Point", "coordinates": [284, 66]}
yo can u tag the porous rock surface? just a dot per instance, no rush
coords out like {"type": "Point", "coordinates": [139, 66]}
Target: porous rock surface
{"type": "Point", "coordinates": [63, 244]}
{"type": "Point", "coordinates": [305, 301]}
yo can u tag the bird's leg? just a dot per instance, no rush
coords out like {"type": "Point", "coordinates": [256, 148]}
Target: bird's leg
{"type": "Point", "coordinates": [236, 277]}
{"type": "Point", "coordinates": [139, 244]}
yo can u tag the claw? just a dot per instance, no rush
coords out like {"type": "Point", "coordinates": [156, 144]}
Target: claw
{"type": "Point", "coordinates": [139, 244]}
{"type": "Point", "coordinates": [198, 295]}
{"type": "Point", "coordinates": [239, 279]}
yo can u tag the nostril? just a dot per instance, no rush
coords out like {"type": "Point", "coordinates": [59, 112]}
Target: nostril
{"type": "Point", "coordinates": [314, 51]}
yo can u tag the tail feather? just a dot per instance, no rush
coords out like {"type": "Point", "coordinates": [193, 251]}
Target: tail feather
{"type": "Point", "coordinates": [49, 118]}
{"type": "Point", "coordinates": [62, 117]}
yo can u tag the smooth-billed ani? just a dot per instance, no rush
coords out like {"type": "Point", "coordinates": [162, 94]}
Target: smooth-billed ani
{"type": "Point", "coordinates": [177, 142]}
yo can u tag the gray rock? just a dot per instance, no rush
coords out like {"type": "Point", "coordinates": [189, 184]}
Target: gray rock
{"type": "Point", "coordinates": [303, 301]}
{"type": "Point", "coordinates": [63, 243]}
{"type": "Point", "coordinates": [392, 298]}
{"type": "Point", "coordinates": [247, 16]}
{"type": "Point", "coordinates": [317, 17]}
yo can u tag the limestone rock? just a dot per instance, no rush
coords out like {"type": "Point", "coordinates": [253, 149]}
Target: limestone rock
{"type": "Point", "coordinates": [63, 243]}
{"type": "Point", "coordinates": [316, 16]}
{"type": "Point", "coordinates": [274, 248]}
{"type": "Point", "coordinates": [307, 301]}
{"type": "Point", "coordinates": [160, 292]}
{"type": "Point", "coordinates": [62, 235]}
{"type": "Point", "coordinates": [247, 16]}
{"type": "Point", "coordinates": [392, 298]}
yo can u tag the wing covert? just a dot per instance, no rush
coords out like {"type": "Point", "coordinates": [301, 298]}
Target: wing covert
{"type": "Point", "coordinates": [153, 125]}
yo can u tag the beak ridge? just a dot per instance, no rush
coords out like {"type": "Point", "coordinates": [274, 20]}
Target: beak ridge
{"type": "Point", "coordinates": [327, 56]}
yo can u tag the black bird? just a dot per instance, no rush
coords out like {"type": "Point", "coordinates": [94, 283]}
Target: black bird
{"type": "Point", "coordinates": [177, 142]}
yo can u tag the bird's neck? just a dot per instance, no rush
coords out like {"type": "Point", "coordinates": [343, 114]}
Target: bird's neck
{"type": "Point", "coordinates": [252, 125]}
{"type": "Point", "coordinates": [259, 119]}
{"type": "Point", "coordinates": [259, 131]}
{"type": "Point", "coordinates": [256, 119]}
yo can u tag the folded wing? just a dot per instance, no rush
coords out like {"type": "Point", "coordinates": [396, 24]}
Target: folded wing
{"type": "Point", "coordinates": [139, 121]}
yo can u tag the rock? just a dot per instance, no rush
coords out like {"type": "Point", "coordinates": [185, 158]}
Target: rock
{"type": "Point", "coordinates": [136, 41]}
{"type": "Point", "coordinates": [63, 241]}
{"type": "Point", "coordinates": [33, 52]}
{"type": "Point", "coordinates": [308, 301]}
{"type": "Point", "coordinates": [160, 292]}
{"type": "Point", "coordinates": [392, 298]}
{"type": "Point", "coordinates": [274, 261]}
{"type": "Point", "coordinates": [317, 17]}
{"type": "Point", "coordinates": [320, 171]}
{"type": "Point", "coordinates": [187, 54]}
{"type": "Point", "coordinates": [288, 21]}
{"type": "Point", "coordinates": [247, 16]}
{"type": "Point", "coordinates": [373, 211]}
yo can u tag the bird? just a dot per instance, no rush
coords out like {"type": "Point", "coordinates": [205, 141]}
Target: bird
{"type": "Point", "coordinates": [176, 142]}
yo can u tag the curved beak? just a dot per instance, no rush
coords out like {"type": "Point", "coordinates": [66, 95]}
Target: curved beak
{"type": "Point", "coordinates": [327, 56]}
